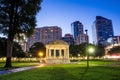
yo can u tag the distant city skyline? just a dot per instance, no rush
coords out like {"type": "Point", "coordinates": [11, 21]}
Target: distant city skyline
{"type": "Point", "coordinates": [63, 12]}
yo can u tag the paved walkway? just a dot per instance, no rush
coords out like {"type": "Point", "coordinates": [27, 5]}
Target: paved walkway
{"type": "Point", "coordinates": [20, 69]}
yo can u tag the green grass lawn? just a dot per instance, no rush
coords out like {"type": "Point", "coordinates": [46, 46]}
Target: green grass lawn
{"type": "Point", "coordinates": [98, 70]}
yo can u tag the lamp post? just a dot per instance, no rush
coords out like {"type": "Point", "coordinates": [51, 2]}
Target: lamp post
{"type": "Point", "coordinates": [86, 49]}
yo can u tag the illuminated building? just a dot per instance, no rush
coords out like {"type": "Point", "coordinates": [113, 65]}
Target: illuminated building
{"type": "Point", "coordinates": [57, 52]}
{"type": "Point", "coordinates": [45, 35]}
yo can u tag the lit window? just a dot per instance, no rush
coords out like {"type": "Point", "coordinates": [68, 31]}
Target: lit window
{"type": "Point", "coordinates": [51, 30]}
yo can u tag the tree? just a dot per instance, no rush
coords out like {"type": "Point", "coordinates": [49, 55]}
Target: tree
{"type": "Point", "coordinates": [78, 49]}
{"type": "Point", "coordinates": [100, 51]}
{"type": "Point", "coordinates": [36, 48]}
{"type": "Point", "coordinates": [16, 17]}
{"type": "Point", "coordinates": [3, 44]}
{"type": "Point", "coordinates": [17, 51]}
{"type": "Point", "coordinates": [73, 50]}
{"type": "Point", "coordinates": [82, 48]}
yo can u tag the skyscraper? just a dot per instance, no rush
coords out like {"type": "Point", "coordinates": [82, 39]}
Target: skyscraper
{"type": "Point", "coordinates": [77, 28]}
{"type": "Point", "coordinates": [102, 30]}
{"type": "Point", "coordinates": [48, 34]}
{"type": "Point", "coordinates": [45, 35]}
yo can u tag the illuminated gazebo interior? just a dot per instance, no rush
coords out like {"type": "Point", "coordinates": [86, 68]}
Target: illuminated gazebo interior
{"type": "Point", "coordinates": [57, 52]}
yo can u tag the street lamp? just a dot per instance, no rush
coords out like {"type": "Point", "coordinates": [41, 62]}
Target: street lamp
{"type": "Point", "coordinates": [86, 49]}
{"type": "Point", "coordinates": [91, 50]}
{"type": "Point", "coordinates": [40, 54]}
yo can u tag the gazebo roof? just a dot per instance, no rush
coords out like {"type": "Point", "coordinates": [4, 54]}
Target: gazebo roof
{"type": "Point", "coordinates": [58, 42]}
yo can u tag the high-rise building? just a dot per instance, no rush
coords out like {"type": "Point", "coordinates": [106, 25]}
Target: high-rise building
{"type": "Point", "coordinates": [77, 28]}
{"type": "Point", "coordinates": [48, 34]}
{"type": "Point", "coordinates": [34, 38]}
{"type": "Point", "coordinates": [82, 38]}
{"type": "Point", "coordinates": [45, 35]}
{"type": "Point", "coordinates": [102, 30]}
{"type": "Point", "coordinates": [69, 39]}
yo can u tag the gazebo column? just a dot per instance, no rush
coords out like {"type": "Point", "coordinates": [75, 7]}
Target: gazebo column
{"type": "Point", "coordinates": [54, 53]}
{"type": "Point", "coordinates": [50, 53]}
{"type": "Point", "coordinates": [67, 53]}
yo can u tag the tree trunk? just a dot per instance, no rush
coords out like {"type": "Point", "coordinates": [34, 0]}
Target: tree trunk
{"type": "Point", "coordinates": [10, 35]}
{"type": "Point", "coordinates": [9, 51]}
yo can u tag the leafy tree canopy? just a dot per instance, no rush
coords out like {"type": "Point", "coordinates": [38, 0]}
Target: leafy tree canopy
{"type": "Point", "coordinates": [100, 51]}
{"type": "Point", "coordinates": [3, 44]}
{"type": "Point", "coordinates": [78, 49]}
{"type": "Point", "coordinates": [18, 16]}
{"type": "Point", "coordinates": [17, 50]}
{"type": "Point", "coordinates": [36, 48]}
{"type": "Point", "coordinates": [83, 49]}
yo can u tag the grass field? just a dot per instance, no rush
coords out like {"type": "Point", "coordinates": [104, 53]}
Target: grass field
{"type": "Point", "coordinates": [98, 70]}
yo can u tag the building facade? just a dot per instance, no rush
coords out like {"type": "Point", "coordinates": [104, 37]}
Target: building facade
{"type": "Point", "coordinates": [116, 39]}
{"type": "Point", "coordinates": [34, 38]}
{"type": "Point", "coordinates": [77, 28]}
{"type": "Point", "coordinates": [48, 34]}
{"type": "Point", "coordinates": [45, 35]}
{"type": "Point", "coordinates": [82, 38]}
{"type": "Point", "coordinates": [69, 39]}
{"type": "Point", "coordinates": [22, 40]}
{"type": "Point", "coordinates": [102, 30]}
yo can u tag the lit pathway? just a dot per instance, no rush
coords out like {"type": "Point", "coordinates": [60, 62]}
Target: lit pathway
{"type": "Point", "coordinates": [20, 69]}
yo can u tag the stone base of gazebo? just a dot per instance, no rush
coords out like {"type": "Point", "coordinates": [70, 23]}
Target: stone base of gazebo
{"type": "Point", "coordinates": [57, 61]}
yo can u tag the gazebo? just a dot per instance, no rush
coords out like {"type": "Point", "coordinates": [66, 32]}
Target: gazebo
{"type": "Point", "coordinates": [57, 52]}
